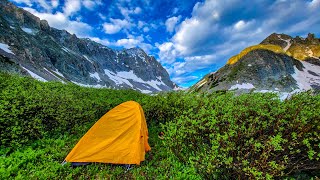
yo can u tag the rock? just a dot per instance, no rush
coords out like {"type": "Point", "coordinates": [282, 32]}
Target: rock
{"type": "Point", "coordinates": [44, 25]}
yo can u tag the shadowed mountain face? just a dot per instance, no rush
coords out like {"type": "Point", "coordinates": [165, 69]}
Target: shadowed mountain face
{"type": "Point", "coordinates": [29, 46]}
{"type": "Point", "coordinates": [279, 63]}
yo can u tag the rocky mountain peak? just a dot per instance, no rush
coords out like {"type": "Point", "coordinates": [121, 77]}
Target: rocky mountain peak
{"type": "Point", "coordinates": [29, 45]}
{"type": "Point", "coordinates": [281, 40]}
{"type": "Point", "coordinates": [279, 63]}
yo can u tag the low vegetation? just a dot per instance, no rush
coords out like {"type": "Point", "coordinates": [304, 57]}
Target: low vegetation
{"type": "Point", "coordinates": [216, 136]}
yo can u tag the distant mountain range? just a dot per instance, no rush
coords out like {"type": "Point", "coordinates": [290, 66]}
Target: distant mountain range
{"type": "Point", "coordinates": [29, 46]}
{"type": "Point", "coordinates": [280, 63]}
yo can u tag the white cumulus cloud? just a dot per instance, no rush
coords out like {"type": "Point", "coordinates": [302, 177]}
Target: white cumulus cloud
{"type": "Point", "coordinates": [71, 7]}
{"type": "Point", "coordinates": [132, 42]}
{"type": "Point", "coordinates": [116, 25]}
{"type": "Point", "coordinates": [171, 23]}
{"type": "Point", "coordinates": [110, 28]}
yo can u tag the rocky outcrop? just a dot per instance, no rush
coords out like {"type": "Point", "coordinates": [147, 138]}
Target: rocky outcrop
{"type": "Point", "coordinates": [52, 54]}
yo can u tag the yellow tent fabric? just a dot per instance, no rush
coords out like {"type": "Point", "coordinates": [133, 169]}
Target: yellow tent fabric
{"type": "Point", "coordinates": [118, 137]}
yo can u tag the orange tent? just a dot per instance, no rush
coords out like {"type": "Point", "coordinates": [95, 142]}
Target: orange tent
{"type": "Point", "coordinates": [118, 137]}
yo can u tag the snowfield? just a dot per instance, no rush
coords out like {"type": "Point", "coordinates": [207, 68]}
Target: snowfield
{"type": "Point", "coordinates": [5, 47]}
{"type": "Point", "coordinates": [304, 78]}
{"type": "Point", "coordinates": [123, 76]}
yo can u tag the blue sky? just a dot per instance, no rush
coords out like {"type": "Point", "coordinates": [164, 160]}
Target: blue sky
{"type": "Point", "coordinates": [190, 38]}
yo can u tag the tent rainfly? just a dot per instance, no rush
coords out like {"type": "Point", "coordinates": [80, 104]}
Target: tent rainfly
{"type": "Point", "coordinates": [118, 137]}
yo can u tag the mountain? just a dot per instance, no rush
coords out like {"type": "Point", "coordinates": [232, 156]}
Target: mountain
{"type": "Point", "coordinates": [280, 63]}
{"type": "Point", "coordinates": [29, 46]}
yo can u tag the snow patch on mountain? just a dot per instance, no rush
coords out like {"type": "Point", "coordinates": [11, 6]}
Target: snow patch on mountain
{"type": "Point", "coordinates": [288, 41]}
{"type": "Point", "coordinates": [304, 78]}
{"type": "Point", "coordinates": [123, 76]}
{"type": "Point", "coordinates": [282, 95]}
{"type": "Point", "coordinates": [155, 84]}
{"type": "Point", "coordinates": [130, 75]}
{"type": "Point", "coordinates": [34, 75]}
{"type": "Point", "coordinates": [5, 47]}
{"type": "Point", "coordinates": [29, 31]}
{"type": "Point", "coordinates": [54, 75]}
{"type": "Point", "coordinates": [57, 72]}
{"type": "Point", "coordinates": [115, 78]}
{"type": "Point", "coordinates": [91, 86]}
{"type": "Point", "coordinates": [179, 89]}
{"type": "Point", "coordinates": [87, 59]}
{"type": "Point", "coordinates": [145, 91]}
{"type": "Point", "coordinates": [96, 76]}
{"type": "Point", "coordinates": [66, 50]}
{"type": "Point", "coordinates": [288, 45]}
{"type": "Point", "coordinates": [242, 86]}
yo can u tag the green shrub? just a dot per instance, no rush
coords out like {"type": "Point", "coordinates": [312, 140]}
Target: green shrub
{"type": "Point", "coordinates": [249, 136]}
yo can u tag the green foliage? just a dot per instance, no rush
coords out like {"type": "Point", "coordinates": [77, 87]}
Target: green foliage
{"type": "Point", "coordinates": [249, 136]}
{"type": "Point", "coordinates": [217, 136]}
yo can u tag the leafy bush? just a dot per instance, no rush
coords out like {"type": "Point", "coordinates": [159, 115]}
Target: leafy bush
{"type": "Point", "coordinates": [249, 136]}
{"type": "Point", "coordinates": [165, 107]}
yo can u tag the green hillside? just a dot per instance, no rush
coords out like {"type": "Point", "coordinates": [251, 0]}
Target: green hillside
{"type": "Point", "coordinates": [216, 136]}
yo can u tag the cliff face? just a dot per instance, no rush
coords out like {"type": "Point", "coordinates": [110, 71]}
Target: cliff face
{"type": "Point", "coordinates": [279, 64]}
{"type": "Point", "coordinates": [29, 45]}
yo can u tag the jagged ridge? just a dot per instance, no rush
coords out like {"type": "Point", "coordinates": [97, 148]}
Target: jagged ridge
{"type": "Point", "coordinates": [50, 54]}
